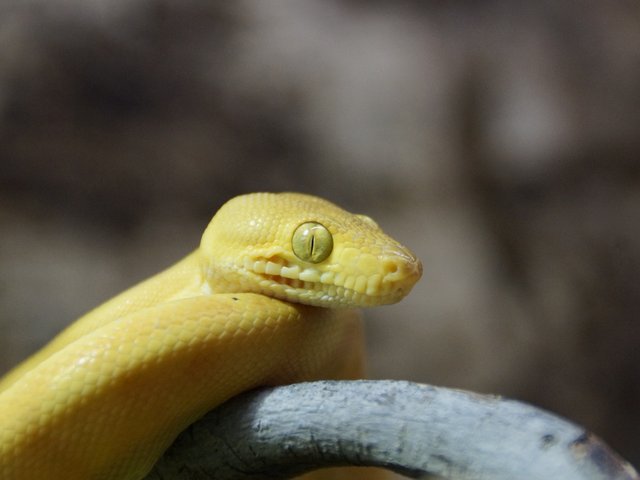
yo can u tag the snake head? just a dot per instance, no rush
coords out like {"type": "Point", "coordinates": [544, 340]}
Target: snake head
{"type": "Point", "coordinates": [304, 249]}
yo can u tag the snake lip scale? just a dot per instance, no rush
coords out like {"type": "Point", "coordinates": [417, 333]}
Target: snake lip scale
{"type": "Point", "coordinates": [340, 291]}
{"type": "Point", "coordinates": [269, 297]}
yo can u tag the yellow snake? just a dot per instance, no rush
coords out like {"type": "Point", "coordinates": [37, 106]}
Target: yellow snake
{"type": "Point", "coordinates": [266, 299]}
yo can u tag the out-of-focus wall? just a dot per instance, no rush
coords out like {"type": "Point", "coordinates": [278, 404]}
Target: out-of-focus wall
{"type": "Point", "coordinates": [499, 140]}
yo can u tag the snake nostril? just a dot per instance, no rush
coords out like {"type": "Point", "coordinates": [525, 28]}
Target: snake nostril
{"type": "Point", "coordinates": [390, 267]}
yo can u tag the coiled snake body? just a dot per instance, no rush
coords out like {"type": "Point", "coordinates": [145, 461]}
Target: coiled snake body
{"type": "Point", "coordinates": [266, 299]}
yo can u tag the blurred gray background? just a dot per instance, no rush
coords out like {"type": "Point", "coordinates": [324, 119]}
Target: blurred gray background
{"type": "Point", "coordinates": [497, 139]}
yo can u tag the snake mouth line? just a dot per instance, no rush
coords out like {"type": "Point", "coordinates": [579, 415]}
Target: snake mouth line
{"type": "Point", "coordinates": [323, 294]}
{"type": "Point", "coordinates": [310, 285]}
{"type": "Point", "coordinates": [314, 293]}
{"type": "Point", "coordinates": [290, 282]}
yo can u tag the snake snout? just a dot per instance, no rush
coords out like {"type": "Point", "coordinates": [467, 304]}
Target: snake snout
{"type": "Point", "coordinates": [403, 269]}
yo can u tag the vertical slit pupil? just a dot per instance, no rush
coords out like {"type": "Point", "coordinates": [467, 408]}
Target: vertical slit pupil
{"type": "Point", "coordinates": [313, 241]}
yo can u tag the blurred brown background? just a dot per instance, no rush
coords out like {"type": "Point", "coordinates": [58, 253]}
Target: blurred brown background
{"type": "Point", "coordinates": [497, 139]}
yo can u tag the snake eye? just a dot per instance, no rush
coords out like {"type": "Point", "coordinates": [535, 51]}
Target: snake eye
{"type": "Point", "coordinates": [312, 242]}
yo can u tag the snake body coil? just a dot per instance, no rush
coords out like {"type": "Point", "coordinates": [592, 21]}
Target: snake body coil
{"type": "Point", "coordinates": [268, 298]}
